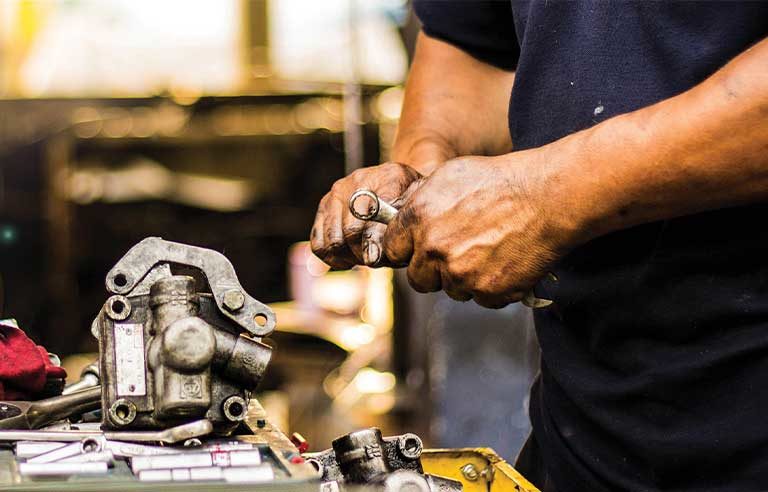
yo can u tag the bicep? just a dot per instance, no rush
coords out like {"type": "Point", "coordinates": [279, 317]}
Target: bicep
{"type": "Point", "coordinates": [454, 96]}
{"type": "Point", "coordinates": [482, 28]}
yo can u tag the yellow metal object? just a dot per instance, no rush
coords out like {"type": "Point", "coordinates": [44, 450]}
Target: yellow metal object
{"type": "Point", "coordinates": [479, 469]}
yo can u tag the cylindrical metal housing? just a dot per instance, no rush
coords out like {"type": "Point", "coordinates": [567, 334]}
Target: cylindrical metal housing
{"type": "Point", "coordinates": [361, 455]}
{"type": "Point", "coordinates": [240, 359]}
{"type": "Point", "coordinates": [181, 351]}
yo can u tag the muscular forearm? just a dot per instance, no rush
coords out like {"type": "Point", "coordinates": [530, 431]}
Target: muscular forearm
{"type": "Point", "coordinates": [704, 149]}
{"type": "Point", "coordinates": [454, 105]}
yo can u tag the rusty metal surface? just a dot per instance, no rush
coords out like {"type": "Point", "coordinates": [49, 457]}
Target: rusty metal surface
{"type": "Point", "coordinates": [253, 316]}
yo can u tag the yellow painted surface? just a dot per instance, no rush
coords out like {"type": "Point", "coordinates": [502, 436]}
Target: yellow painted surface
{"type": "Point", "coordinates": [494, 474]}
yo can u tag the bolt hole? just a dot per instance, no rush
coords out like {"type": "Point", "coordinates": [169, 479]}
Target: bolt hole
{"type": "Point", "coordinates": [411, 445]}
{"type": "Point", "coordinates": [122, 411]}
{"type": "Point", "coordinates": [235, 409]}
{"type": "Point", "coordinates": [315, 464]}
{"type": "Point", "coordinates": [121, 280]}
{"type": "Point", "coordinates": [260, 319]}
{"type": "Point", "coordinates": [90, 445]}
{"type": "Point", "coordinates": [118, 307]}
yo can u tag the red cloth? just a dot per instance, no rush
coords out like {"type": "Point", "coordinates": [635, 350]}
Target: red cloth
{"type": "Point", "coordinates": [24, 366]}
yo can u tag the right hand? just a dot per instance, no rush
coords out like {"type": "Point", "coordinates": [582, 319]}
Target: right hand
{"type": "Point", "coordinates": [341, 240]}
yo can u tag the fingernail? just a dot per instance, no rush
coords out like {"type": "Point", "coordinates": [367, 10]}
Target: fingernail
{"type": "Point", "coordinates": [371, 254]}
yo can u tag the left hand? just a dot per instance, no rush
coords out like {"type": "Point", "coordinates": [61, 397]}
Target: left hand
{"type": "Point", "coordinates": [482, 228]}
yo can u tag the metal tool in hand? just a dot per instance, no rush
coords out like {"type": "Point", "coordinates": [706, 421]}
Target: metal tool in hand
{"type": "Point", "coordinates": [382, 212]}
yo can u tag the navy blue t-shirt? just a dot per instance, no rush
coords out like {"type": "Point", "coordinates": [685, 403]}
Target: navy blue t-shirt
{"type": "Point", "coordinates": [654, 371]}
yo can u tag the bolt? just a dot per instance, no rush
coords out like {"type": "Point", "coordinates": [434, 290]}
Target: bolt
{"type": "Point", "coordinates": [470, 472]}
{"type": "Point", "coordinates": [410, 446]}
{"type": "Point", "coordinates": [234, 300]}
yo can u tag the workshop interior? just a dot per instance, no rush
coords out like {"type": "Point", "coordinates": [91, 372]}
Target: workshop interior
{"type": "Point", "coordinates": [163, 316]}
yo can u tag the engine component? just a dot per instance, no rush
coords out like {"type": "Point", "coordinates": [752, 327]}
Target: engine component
{"type": "Point", "coordinates": [387, 464]}
{"type": "Point", "coordinates": [170, 353]}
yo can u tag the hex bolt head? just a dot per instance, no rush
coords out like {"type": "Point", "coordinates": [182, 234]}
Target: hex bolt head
{"type": "Point", "coordinates": [234, 300]}
{"type": "Point", "coordinates": [410, 446]}
{"type": "Point", "coordinates": [470, 472]}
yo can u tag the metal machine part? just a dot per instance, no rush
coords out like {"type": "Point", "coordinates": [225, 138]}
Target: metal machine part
{"type": "Point", "coordinates": [390, 464]}
{"type": "Point", "coordinates": [62, 469]}
{"type": "Point", "coordinates": [383, 212]}
{"type": "Point", "coordinates": [89, 378]}
{"type": "Point", "coordinates": [130, 276]}
{"type": "Point", "coordinates": [36, 414]}
{"type": "Point", "coordinates": [171, 435]}
{"type": "Point", "coordinates": [169, 353]}
{"type": "Point", "coordinates": [87, 445]}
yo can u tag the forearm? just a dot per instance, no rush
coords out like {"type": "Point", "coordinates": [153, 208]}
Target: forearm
{"type": "Point", "coordinates": [454, 105]}
{"type": "Point", "coordinates": [704, 149]}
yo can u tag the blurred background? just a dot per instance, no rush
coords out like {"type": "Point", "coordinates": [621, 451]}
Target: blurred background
{"type": "Point", "coordinates": [222, 123]}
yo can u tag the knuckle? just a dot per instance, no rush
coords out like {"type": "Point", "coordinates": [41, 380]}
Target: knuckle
{"type": "Point", "coordinates": [456, 270]}
{"type": "Point", "coordinates": [486, 288]}
{"type": "Point", "coordinates": [417, 280]}
{"type": "Point", "coordinates": [335, 242]}
{"type": "Point", "coordinates": [353, 230]}
{"type": "Point", "coordinates": [458, 295]}
{"type": "Point", "coordinates": [491, 302]}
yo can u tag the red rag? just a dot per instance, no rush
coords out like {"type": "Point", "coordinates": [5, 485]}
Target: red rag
{"type": "Point", "coordinates": [24, 366]}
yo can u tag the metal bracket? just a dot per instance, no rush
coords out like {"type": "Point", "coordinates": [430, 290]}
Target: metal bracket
{"type": "Point", "coordinates": [232, 300]}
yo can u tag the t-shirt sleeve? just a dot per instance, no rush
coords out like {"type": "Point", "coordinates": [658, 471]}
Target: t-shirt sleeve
{"type": "Point", "coordinates": [483, 28]}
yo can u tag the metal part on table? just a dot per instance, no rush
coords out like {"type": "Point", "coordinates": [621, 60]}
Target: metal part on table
{"type": "Point", "coordinates": [36, 414]}
{"type": "Point", "coordinates": [169, 353]}
{"type": "Point", "coordinates": [196, 460]}
{"type": "Point", "coordinates": [389, 464]}
{"type": "Point", "coordinates": [87, 445]}
{"type": "Point", "coordinates": [246, 474]}
{"type": "Point", "coordinates": [27, 449]}
{"type": "Point", "coordinates": [493, 473]}
{"type": "Point", "coordinates": [89, 378]}
{"type": "Point", "coordinates": [105, 456]}
{"type": "Point", "coordinates": [383, 212]}
{"type": "Point", "coordinates": [171, 435]}
{"type": "Point", "coordinates": [60, 469]}
{"type": "Point", "coordinates": [128, 274]}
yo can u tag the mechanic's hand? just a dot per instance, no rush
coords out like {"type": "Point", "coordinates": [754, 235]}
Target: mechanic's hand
{"type": "Point", "coordinates": [478, 227]}
{"type": "Point", "coordinates": [341, 240]}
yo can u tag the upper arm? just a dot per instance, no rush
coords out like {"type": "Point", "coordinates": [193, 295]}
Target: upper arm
{"type": "Point", "coordinates": [482, 28]}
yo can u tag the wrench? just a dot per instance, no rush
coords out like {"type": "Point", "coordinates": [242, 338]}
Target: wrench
{"type": "Point", "coordinates": [89, 378]}
{"type": "Point", "coordinates": [171, 435]}
{"type": "Point", "coordinates": [87, 445]}
{"type": "Point", "coordinates": [36, 414]}
{"type": "Point", "coordinates": [383, 212]}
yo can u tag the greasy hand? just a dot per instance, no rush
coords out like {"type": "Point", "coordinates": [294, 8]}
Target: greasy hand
{"type": "Point", "coordinates": [479, 228]}
{"type": "Point", "coordinates": [341, 240]}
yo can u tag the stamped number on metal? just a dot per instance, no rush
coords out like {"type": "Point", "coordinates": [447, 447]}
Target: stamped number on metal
{"type": "Point", "coordinates": [129, 359]}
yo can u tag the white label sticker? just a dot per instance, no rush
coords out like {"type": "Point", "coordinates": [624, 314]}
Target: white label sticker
{"type": "Point", "coordinates": [129, 359]}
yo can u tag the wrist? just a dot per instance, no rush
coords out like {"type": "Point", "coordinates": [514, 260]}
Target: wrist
{"type": "Point", "coordinates": [424, 154]}
{"type": "Point", "coordinates": [582, 178]}
{"type": "Point", "coordinates": [569, 190]}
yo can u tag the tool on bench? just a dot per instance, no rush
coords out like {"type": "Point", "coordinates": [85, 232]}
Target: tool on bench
{"type": "Point", "coordinates": [89, 378]}
{"type": "Point", "coordinates": [87, 445]}
{"type": "Point", "coordinates": [36, 414]}
{"type": "Point", "coordinates": [383, 212]}
{"type": "Point", "coordinates": [171, 435]}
